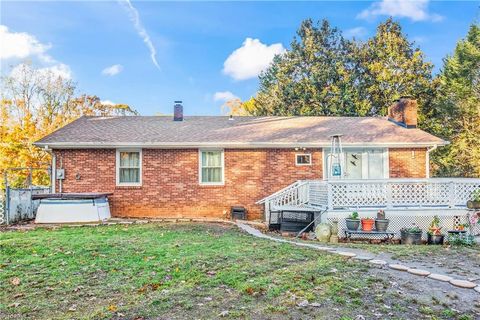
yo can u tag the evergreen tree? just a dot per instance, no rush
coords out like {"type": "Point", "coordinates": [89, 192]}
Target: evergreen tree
{"type": "Point", "coordinates": [313, 78]}
{"type": "Point", "coordinates": [391, 67]}
{"type": "Point", "coordinates": [457, 114]}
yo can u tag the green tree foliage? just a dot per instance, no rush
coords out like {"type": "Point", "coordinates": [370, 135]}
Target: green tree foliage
{"type": "Point", "coordinates": [390, 67]}
{"type": "Point", "coordinates": [325, 74]}
{"type": "Point", "coordinates": [313, 78]}
{"type": "Point", "coordinates": [457, 109]}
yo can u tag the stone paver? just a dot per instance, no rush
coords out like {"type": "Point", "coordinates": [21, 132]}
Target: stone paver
{"type": "Point", "coordinates": [378, 262]}
{"type": "Point", "coordinates": [463, 284]}
{"type": "Point", "coordinates": [440, 277]}
{"type": "Point", "coordinates": [345, 254]}
{"type": "Point", "coordinates": [419, 272]}
{"type": "Point", "coordinates": [362, 258]}
{"type": "Point", "coordinates": [398, 267]}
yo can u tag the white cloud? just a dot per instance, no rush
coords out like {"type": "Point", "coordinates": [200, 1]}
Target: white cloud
{"type": "Point", "coordinates": [58, 70]}
{"type": "Point", "coordinates": [137, 23]}
{"type": "Point", "coordinates": [358, 32]}
{"type": "Point", "coordinates": [112, 70]}
{"type": "Point", "coordinates": [250, 59]}
{"type": "Point", "coordinates": [21, 45]}
{"type": "Point", "coordinates": [108, 102]}
{"type": "Point", "coordinates": [224, 96]}
{"type": "Point", "coordinates": [416, 10]}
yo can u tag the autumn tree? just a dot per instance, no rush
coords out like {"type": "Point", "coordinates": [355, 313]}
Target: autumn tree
{"type": "Point", "coordinates": [34, 103]}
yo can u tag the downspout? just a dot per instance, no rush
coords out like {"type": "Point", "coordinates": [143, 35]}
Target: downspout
{"type": "Point", "coordinates": [53, 169]}
{"type": "Point", "coordinates": [427, 161]}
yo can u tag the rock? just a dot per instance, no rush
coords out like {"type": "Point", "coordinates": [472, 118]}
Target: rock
{"type": "Point", "coordinates": [224, 313]}
{"type": "Point", "coordinates": [419, 272]}
{"type": "Point", "coordinates": [440, 277]}
{"type": "Point", "coordinates": [398, 267]}
{"type": "Point", "coordinates": [378, 262]}
{"type": "Point", "coordinates": [303, 303]}
{"type": "Point", "coordinates": [315, 304]}
{"type": "Point", "coordinates": [477, 288]}
{"type": "Point", "coordinates": [463, 284]}
{"type": "Point", "coordinates": [362, 258]}
{"type": "Point", "coordinates": [345, 254]}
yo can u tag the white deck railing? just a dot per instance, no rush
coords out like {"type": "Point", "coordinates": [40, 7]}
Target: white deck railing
{"type": "Point", "coordinates": [389, 193]}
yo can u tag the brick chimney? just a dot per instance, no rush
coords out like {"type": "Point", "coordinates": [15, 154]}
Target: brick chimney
{"type": "Point", "coordinates": [404, 112]}
{"type": "Point", "coordinates": [178, 111]}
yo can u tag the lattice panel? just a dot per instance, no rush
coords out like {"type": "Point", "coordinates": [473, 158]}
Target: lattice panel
{"type": "Point", "coordinates": [463, 192]}
{"type": "Point", "coordinates": [348, 195]}
{"type": "Point", "coordinates": [399, 222]}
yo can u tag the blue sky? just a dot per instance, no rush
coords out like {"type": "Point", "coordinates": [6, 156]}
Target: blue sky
{"type": "Point", "coordinates": [205, 51]}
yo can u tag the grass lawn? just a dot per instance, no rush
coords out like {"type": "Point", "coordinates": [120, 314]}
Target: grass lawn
{"type": "Point", "coordinates": [194, 271]}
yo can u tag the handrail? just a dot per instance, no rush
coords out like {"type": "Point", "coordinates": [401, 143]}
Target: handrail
{"type": "Point", "coordinates": [290, 186]}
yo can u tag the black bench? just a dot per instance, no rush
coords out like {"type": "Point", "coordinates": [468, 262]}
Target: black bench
{"type": "Point", "coordinates": [386, 236]}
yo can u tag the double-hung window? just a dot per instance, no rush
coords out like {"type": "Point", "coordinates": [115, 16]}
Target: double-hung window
{"type": "Point", "coordinates": [129, 167]}
{"type": "Point", "coordinates": [211, 167]}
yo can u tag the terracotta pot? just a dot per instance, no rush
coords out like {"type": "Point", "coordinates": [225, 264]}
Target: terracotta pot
{"type": "Point", "coordinates": [367, 224]}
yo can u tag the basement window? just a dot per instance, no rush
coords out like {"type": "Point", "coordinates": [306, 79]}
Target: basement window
{"type": "Point", "coordinates": [303, 159]}
{"type": "Point", "coordinates": [211, 167]}
{"type": "Point", "coordinates": [129, 167]}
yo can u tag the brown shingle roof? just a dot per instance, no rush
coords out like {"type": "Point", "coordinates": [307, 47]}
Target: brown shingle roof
{"type": "Point", "coordinates": [195, 131]}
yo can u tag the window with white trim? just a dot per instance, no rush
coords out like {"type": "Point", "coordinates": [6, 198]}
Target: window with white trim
{"type": "Point", "coordinates": [303, 159]}
{"type": "Point", "coordinates": [211, 167]}
{"type": "Point", "coordinates": [129, 167]}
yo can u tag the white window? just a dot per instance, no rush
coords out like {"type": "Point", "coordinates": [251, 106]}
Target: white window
{"type": "Point", "coordinates": [211, 167]}
{"type": "Point", "coordinates": [129, 167]}
{"type": "Point", "coordinates": [303, 159]}
{"type": "Point", "coordinates": [371, 163]}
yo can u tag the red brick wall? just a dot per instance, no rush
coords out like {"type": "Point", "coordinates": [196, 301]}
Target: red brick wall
{"type": "Point", "coordinates": [407, 163]}
{"type": "Point", "coordinates": [170, 185]}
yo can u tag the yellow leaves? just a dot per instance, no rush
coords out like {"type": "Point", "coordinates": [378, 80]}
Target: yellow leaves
{"type": "Point", "coordinates": [112, 308]}
{"type": "Point", "coordinates": [15, 281]}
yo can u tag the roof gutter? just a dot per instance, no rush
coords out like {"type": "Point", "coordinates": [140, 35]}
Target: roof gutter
{"type": "Point", "coordinates": [233, 145]}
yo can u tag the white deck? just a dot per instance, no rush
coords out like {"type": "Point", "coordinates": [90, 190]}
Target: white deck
{"type": "Point", "coordinates": [406, 201]}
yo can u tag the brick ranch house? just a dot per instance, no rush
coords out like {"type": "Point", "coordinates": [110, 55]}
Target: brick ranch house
{"type": "Point", "coordinates": [200, 166]}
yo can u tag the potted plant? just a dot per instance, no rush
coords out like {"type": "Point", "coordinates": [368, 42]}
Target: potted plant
{"type": "Point", "coordinates": [475, 202]}
{"type": "Point", "coordinates": [434, 234]}
{"type": "Point", "coordinates": [412, 235]}
{"type": "Point", "coordinates": [381, 223]}
{"type": "Point", "coordinates": [367, 224]}
{"type": "Point", "coordinates": [353, 222]}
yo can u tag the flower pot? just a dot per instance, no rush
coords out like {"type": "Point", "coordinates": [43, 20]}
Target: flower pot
{"type": "Point", "coordinates": [381, 224]}
{"type": "Point", "coordinates": [411, 237]}
{"type": "Point", "coordinates": [367, 224]}
{"type": "Point", "coordinates": [473, 204]}
{"type": "Point", "coordinates": [352, 224]}
{"type": "Point", "coordinates": [435, 238]}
